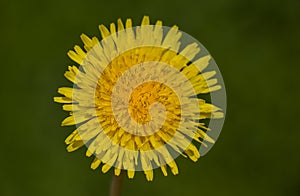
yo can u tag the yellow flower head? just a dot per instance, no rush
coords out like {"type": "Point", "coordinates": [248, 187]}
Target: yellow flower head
{"type": "Point", "coordinates": [137, 98]}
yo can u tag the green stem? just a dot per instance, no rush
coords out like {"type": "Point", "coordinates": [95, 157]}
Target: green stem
{"type": "Point", "coordinates": [116, 185]}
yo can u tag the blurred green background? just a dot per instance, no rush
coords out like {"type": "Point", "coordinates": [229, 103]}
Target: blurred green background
{"type": "Point", "coordinates": [256, 45]}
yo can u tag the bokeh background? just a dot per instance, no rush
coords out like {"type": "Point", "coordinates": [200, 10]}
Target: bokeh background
{"type": "Point", "coordinates": [254, 42]}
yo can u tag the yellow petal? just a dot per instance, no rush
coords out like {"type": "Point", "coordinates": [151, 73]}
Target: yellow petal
{"type": "Point", "coordinates": [128, 23]}
{"type": "Point", "coordinates": [158, 23]}
{"type": "Point", "coordinates": [66, 91]}
{"type": "Point", "coordinates": [192, 152]}
{"type": "Point", "coordinates": [130, 174]}
{"type": "Point", "coordinates": [173, 167]}
{"type": "Point", "coordinates": [164, 170]}
{"type": "Point", "coordinates": [149, 175]}
{"type": "Point", "coordinates": [214, 88]}
{"type": "Point", "coordinates": [172, 39]}
{"type": "Point", "coordinates": [209, 74]}
{"type": "Point", "coordinates": [117, 171]}
{"type": "Point", "coordinates": [112, 28]}
{"type": "Point", "coordinates": [88, 153]}
{"type": "Point", "coordinates": [190, 51]}
{"type": "Point", "coordinates": [146, 20]}
{"type": "Point", "coordinates": [104, 31]}
{"type": "Point", "coordinates": [212, 82]}
{"type": "Point", "coordinates": [202, 62]}
{"type": "Point", "coordinates": [70, 76]}
{"type": "Point", "coordinates": [87, 41]}
{"type": "Point", "coordinates": [71, 73]}
{"type": "Point", "coordinates": [68, 121]}
{"type": "Point", "coordinates": [75, 57]}
{"type": "Point", "coordinates": [217, 115]}
{"type": "Point", "coordinates": [79, 51]}
{"type": "Point", "coordinates": [70, 107]}
{"type": "Point", "coordinates": [205, 136]}
{"type": "Point", "coordinates": [95, 164]}
{"type": "Point", "coordinates": [207, 107]}
{"type": "Point", "coordinates": [71, 137]}
{"type": "Point", "coordinates": [62, 100]}
{"type": "Point", "coordinates": [74, 146]}
{"type": "Point", "coordinates": [95, 41]}
{"type": "Point", "coordinates": [120, 25]}
{"type": "Point", "coordinates": [105, 168]}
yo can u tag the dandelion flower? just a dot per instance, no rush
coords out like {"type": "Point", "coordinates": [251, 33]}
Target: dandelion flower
{"type": "Point", "coordinates": [136, 99]}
